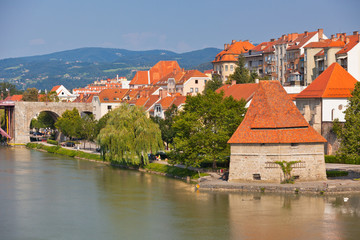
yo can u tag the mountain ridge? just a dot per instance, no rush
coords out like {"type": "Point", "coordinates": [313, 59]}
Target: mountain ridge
{"type": "Point", "coordinates": [81, 66]}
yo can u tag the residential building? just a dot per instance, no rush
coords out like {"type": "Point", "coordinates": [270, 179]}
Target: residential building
{"type": "Point", "coordinates": [274, 130]}
{"type": "Point", "coordinates": [165, 103]}
{"type": "Point", "coordinates": [288, 51]}
{"type": "Point", "coordinates": [325, 99]}
{"type": "Point", "coordinates": [107, 100]}
{"type": "Point", "coordinates": [152, 76]}
{"type": "Point", "coordinates": [63, 94]}
{"type": "Point", "coordinates": [189, 82]}
{"type": "Point", "coordinates": [98, 86]}
{"type": "Point", "coordinates": [340, 48]}
{"type": "Point", "coordinates": [225, 61]}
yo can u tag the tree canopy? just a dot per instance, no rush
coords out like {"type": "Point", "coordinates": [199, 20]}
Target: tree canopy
{"type": "Point", "coordinates": [69, 123]}
{"type": "Point", "coordinates": [31, 95]}
{"type": "Point", "coordinates": [241, 73]}
{"type": "Point", "coordinates": [213, 84]}
{"type": "Point", "coordinates": [129, 135]}
{"type": "Point", "coordinates": [50, 97]}
{"type": "Point", "coordinates": [349, 134]}
{"type": "Point", "coordinates": [204, 127]}
{"type": "Point", "coordinates": [165, 125]}
{"type": "Point", "coordinates": [8, 88]}
{"type": "Point", "coordinates": [44, 120]}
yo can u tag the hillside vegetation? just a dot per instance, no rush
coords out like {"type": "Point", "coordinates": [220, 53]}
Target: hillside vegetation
{"type": "Point", "coordinates": [79, 67]}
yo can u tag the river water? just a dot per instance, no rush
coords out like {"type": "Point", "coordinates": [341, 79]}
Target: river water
{"type": "Point", "coordinates": [46, 196]}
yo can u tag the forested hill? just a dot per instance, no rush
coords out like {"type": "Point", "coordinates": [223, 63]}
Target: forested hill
{"type": "Point", "coordinates": [79, 67]}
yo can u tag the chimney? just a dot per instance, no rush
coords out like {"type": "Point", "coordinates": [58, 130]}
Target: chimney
{"type": "Point", "coordinates": [347, 40]}
{"type": "Point", "coordinates": [272, 40]}
{"type": "Point", "coordinates": [283, 37]}
{"type": "Point", "coordinates": [342, 37]}
{"type": "Point", "coordinates": [233, 82]}
{"type": "Point", "coordinates": [338, 35]}
{"type": "Point", "coordinates": [233, 41]}
{"type": "Point", "coordinates": [225, 46]}
{"type": "Point", "coordinates": [320, 33]}
{"type": "Point", "coordinates": [332, 37]}
{"type": "Point", "coordinates": [355, 32]}
{"type": "Point", "coordinates": [256, 80]}
{"type": "Point", "coordinates": [305, 33]}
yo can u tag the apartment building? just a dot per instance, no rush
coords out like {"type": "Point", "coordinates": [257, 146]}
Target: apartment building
{"type": "Point", "coordinates": [225, 61]}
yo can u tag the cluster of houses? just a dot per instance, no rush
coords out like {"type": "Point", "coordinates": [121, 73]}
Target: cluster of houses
{"type": "Point", "coordinates": [289, 117]}
{"type": "Point", "coordinates": [295, 58]}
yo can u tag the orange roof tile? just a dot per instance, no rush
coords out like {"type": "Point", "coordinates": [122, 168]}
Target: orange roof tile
{"type": "Point", "coordinates": [231, 53]}
{"type": "Point", "coordinates": [55, 88]}
{"type": "Point", "coordinates": [112, 95]}
{"type": "Point", "coordinates": [353, 41]}
{"type": "Point", "coordinates": [166, 102]}
{"type": "Point", "coordinates": [152, 100]}
{"type": "Point", "coordinates": [158, 71]}
{"type": "Point", "coordinates": [179, 100]}
{"type": "Point", "coordinates": [14, 98]}
{"type": "Point", "coordinates": [273, 118]}
{"type": "Point", "coordinates": [239, 91]}
{"type": "Point", "coordinates": [334, 82]}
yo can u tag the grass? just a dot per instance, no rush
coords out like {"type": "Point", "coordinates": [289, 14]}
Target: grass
{"type": "Point", "coordinates": [173, 171]}
{"type": "Point", "coordinates": [53, 142]}
{"type": "Point", "coordinates": [64, 151]}
{"type": "Point", "coordinates": [336, 173]}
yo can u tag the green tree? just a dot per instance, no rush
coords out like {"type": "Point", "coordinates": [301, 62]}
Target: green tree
{"type": "Point", "coordinates": [50, 97]}
{"type": "Point", "coordinates": [213, 84]}
{"type": "Point", "coordinates": [241, 73]}
{"type": "Point", "coordinates": [44, 120]}
{"type": "Point", "coordinates": [204, 127]}
{"type": "Point", "coordinates": [70, 123]}
{"type": "Point", "coordinates": [129, 135]}
{"type": "Point", "coordinates": [8, 88]}
{"type": "Point", "coordinates": [31, 95]}
{"type": "Point", "coordinates": [165, 125]}
{"type": "Point", "coordinates": [349, 133]}
{"type": "Point", "coordinates": [87, 129]}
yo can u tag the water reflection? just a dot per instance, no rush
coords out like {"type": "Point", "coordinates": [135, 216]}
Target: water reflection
{"type": "Point", "coordinates": [44, 196]}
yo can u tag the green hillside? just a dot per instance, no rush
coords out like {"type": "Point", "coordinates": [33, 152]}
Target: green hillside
{"type": "Point", "coordinates": [79, 67]}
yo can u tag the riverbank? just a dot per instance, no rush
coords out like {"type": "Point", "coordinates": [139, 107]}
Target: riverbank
{"type": "Point", "coordinates": [158, 167]}
{"type": "Point", "coordinates": [214, 181]}
{"type": "Point", "coordinates": [338, 185]}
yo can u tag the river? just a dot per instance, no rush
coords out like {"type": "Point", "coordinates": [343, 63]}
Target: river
{"type": "Point", "coordinates": [46, 196]}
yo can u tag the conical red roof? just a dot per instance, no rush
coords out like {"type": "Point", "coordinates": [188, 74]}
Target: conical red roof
{"type": "Point", "coordinates": [273, 118]}
{"type": "Point", "coordinates": [334, 82]}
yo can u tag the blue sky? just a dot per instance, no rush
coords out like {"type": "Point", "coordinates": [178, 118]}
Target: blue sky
{"type": "Point", "coordinates": [34, 27]}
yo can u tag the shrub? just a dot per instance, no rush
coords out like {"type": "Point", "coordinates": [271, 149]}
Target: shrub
{"type": "Point", "coordinates": [173, 171]}
{"type": "Point", "coordinates": [53, 142]}
{"type": "Point", "coordinates": [336, 173]}
{"type": "Point", "coordinates": [345, 159]}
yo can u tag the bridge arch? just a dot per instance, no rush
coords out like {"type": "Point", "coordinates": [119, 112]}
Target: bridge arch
{"type": "Point", "coordinates": [25, 111]}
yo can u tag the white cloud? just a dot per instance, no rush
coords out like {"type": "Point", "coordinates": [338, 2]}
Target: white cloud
{"type": "Point", "coordinates": [37, 41]}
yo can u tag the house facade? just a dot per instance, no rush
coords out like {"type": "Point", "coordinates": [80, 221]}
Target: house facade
{"type": "Point", "coordinates": [225, 61]}
{"type": "Point", "coordinates": [63, 94]}
{"type": "Point", "coordinates": [326, 99]}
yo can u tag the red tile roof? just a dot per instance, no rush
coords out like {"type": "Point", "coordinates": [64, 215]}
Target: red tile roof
{"type": "Point", "coordinates": [353, 41]}
{"type": "Point", "coordinates": [273, 118]}
{"type": "Point", "coordinates": [232, 52]}
{"type": "Point", "coordinates": [239, 91]}
{"type": "Point", "coordinates": [334, 82]}
{"type": "Point", "coordinates": [158, 71]}
{"type": "Point", "coordinates": [14, 98]}
{"type": "Point", "coordinates": [112, 95]}
{"type": "Point", "coordinates": [55, 88]}
{"type": "Point", "coordinates": [152, 100]}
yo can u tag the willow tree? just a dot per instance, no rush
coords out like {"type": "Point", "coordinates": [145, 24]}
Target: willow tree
{"type": "Point", "coordinates": [128, 136]}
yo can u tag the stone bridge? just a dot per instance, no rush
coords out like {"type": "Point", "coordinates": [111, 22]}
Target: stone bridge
{"type": "Point", "coordinates": [21, 113]}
